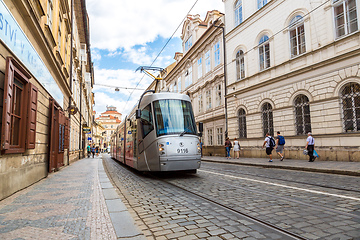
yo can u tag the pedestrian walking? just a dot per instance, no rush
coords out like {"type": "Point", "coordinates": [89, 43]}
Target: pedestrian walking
{"type": "Point", "coordinates": [236, 149]}
{"type": "Point", "coordinates": [310, 146]}
{"type": "Point", "coordinates": [270, 144]}
{"type": "Point", "coordinates": [280, 145]}
{"type": "Point", "coordinates": [88, 150]}
{"type": "Point", "coordinates": [201, 147]}
{"type": "Point", "coordinates": [93, 149]}
{"type": "Point", "coordinates": [97, 151]}
{"type": "Point", "coordinates": [228, 146]}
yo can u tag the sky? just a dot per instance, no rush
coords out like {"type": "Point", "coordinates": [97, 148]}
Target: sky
{"type": "Point", "coordinates": [126, 34]}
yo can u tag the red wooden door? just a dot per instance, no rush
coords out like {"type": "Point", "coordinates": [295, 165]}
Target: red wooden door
{"type": "Point", "coordinates": [57, 132]}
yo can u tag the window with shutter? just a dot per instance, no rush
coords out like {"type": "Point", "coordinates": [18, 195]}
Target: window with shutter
{"type": "Point", "coordinates": [32, 110]}
{"type": "Point", "coordinates": [19, 110]}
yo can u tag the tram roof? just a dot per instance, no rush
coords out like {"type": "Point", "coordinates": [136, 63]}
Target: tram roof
{"type": "Point", "coordinates": [161, 96]}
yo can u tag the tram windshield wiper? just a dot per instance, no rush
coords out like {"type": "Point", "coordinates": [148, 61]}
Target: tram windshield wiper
{"type": "Point", "coordinates": [185, 131]}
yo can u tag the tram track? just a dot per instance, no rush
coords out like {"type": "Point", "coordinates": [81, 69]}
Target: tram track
{"type": "Point", "coordinates": [287, 180]}
{"type": "Point", "coordinates": [187, 184]}
{"type": "Point", "coordinates": [252, 218]}
{"type": "Point", "coordinates": [312, 205]}
{"type": "Point", "coordinates": [283, 233]}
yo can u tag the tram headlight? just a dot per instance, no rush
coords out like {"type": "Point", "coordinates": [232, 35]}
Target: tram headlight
{"type": "Point", "coordinates": [161, 149]}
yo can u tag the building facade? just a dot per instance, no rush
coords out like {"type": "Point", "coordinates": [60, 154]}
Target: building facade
{"type": "Point", "coordinates": [36, 87]}
{"type": "Point", "coordinates": [97, 135]}
{"type": "Point", "coordinates": [109, 120]}
{"type": "Point", "coordinates": [199, 72]}
{"type": "Point", "coordinates": [293, 66]}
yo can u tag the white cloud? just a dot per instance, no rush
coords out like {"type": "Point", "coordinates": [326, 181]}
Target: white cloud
{"type": "Point", "coordinates": [121, 78]}
{"type": "Point", "coordinates": [103, 100]}
{"type": "Point", "coordinates": [123, 24]}
{"type": "Point", "coordinates": [120, 25]}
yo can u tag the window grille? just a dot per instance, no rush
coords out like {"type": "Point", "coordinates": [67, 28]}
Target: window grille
{"type": "Point", "coordinates": [240, 65]}
{"type": "Point", "coordinates": [350, 101]}
{"type": "Point", "coordinates": [267, 117]}
{"type": "Point", "coordinates": [302, 115]}
{"type": "Point", "coordinates": [242, 123]}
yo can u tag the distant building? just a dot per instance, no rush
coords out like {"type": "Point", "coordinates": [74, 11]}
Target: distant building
{"type": "Point", "coordinates": [109, 121]}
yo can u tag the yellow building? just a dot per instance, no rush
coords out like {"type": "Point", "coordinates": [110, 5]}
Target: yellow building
{"type": "Point", "coordinates": [39, 45]}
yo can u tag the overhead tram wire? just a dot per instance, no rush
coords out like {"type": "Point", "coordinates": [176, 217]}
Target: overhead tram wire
{"type": "Point", "coordinates": [130, 88]}
{"type": "Point", "coordinates": [162, 49]}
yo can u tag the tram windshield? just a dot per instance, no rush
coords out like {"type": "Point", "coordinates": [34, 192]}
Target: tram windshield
{"type": "Point", "coordinates": [174, 117]}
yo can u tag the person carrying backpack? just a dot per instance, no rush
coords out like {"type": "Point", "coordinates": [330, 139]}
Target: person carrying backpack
{"type": "Point", "coordinates": [270, 144]}
{"type": "Point", "coordinates": [280, 145]}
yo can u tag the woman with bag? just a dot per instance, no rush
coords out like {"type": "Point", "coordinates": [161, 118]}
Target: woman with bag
{"type": "Point", "coordinates": [236, 149]}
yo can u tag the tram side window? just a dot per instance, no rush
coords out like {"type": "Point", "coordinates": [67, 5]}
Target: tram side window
{"type": "Point", "coordinates": [146, 120]}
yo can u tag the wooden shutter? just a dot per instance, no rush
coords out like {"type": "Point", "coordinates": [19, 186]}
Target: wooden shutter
{"type": "Point", "coordinates": [67, 132]}
{"type": "Point", "coordinates": [8, 94]}
{"type": "Point", "coordinates": [31, 117]}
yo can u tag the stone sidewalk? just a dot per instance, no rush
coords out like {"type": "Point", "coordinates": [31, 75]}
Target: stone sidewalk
{"type": "Point", "coordinates": [78, 202]}
{"type": "Point", "coordinates": [344, 168]}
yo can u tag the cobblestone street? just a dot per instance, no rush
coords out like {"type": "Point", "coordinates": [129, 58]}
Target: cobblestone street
{"type": "Point", "coordinates": [309, 205]}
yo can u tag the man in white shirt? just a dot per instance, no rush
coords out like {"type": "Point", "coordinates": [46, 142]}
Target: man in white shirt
{"type": "Point", "coordinates": [310, 145]}
{"type": "Point", "coordinates": [269, 148]}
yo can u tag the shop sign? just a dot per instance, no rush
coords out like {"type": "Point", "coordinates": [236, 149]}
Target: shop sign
{"type": "Point", "coordinates": [15, 39]}
{"type": "Point", "coordinates": [86, 130]}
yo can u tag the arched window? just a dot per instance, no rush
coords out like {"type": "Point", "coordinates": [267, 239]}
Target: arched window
{"type": "Point", "coordinates": [350, 102]}
{"type": "Point", "coordinates": [242, 123]}
{"type": "Point", "coordinates": [297, 36]}
{"type": "Point", "coordinates": [302, 115]}
{"type": "Point", "coordinates": [240, 65]}
{"type": "Point", "coordinates": [238, 12]}
{"type": "Point", "coordinates": [267, 119]}
{"type": "Point", "coordinates": [264, 52]}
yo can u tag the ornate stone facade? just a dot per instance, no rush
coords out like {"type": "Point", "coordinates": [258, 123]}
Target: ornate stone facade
{"type": "Point", "coordinates": [299, 72]}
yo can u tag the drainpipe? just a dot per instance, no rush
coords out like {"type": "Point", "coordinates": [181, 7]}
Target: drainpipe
{"type": "Point", "coordinates": [80, 103]}
{"type": "Point", "coordinates": [225, 81]}
{"type": "Point", "coordinates": [71, 71]}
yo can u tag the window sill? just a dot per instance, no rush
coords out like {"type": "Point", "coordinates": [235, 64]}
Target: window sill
{"type": "Point", "coordinates": [345, 36]}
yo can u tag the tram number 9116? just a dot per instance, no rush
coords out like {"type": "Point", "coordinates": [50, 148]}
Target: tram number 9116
{"type": "Point", "coordinates": [182, 150]}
